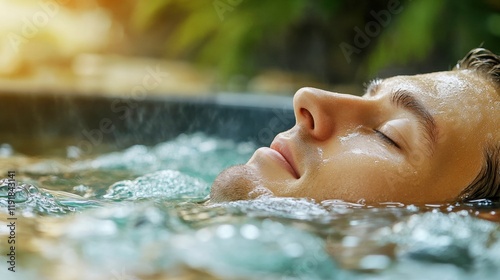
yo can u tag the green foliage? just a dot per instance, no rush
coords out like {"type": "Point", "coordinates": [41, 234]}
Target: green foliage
{"type": "Point", "coordinates": [453, 26]}
{"type": "Point", "coordinates": [231, 35]}
{"type": "Point", "coordinates": [409, 38]}
{"type": "Point", "coordinates": [225, 39]}
{"type": "Point", "coordinates": [146, 12]}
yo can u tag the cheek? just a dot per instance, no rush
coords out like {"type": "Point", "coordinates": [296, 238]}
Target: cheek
{"type": "Point", "coordinates": [353, 177]}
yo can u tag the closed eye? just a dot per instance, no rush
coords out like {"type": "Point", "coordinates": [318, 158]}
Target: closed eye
{"type": "Point", "coordinates": [387, 139]}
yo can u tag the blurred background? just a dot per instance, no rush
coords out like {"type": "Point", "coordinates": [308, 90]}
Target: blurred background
{"type": "Point", "coordinates": [210, 46]}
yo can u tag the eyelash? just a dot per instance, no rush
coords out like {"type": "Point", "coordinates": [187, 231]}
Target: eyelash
{"type": "Point", "coordinates": [387, 139]}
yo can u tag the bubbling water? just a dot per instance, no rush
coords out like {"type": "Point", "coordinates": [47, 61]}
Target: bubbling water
{"type": "Point", "coordinates": [165, 184]}
{"type": "Point", "coordinates": [140, 214]}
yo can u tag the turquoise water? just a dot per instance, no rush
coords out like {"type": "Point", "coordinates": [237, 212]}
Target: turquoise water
{"type": "Point", "coordinates": [140, 213]}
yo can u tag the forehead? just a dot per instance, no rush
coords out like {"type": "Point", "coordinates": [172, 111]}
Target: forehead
{"type": "Point", "coordinates": [439, 84]}
{"type": "Point", "coordinates": [461, 100]}
{"type": "Point", "coordinates": [447, 89]}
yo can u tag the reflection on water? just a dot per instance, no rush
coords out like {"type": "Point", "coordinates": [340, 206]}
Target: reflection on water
{"type": "Point", "coordinates": [140, 214]}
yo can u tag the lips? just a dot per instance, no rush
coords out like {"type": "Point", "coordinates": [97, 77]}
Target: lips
{"type": "Point", "coordinates": [280, 146]}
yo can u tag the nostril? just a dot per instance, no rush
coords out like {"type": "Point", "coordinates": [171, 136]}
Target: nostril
{"type": "Point", "coordinates": [308, 117]}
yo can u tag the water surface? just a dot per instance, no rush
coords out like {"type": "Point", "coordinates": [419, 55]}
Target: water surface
{"type": "Point", "coordinates": [140, 213]}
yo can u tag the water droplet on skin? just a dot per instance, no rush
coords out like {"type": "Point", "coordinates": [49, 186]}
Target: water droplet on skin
{"type": "Point", "coordinates": [348, 137]}
{"type": "Point", "coordinates": [357, 151]}
{"type": "Point", "coordinates": [320, 152]}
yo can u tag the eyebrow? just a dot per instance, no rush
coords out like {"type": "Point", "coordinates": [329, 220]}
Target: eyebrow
{"type": "Point", "coordinates": [407, 100]}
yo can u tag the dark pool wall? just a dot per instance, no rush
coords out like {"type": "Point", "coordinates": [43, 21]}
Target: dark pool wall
{"type": "Point", "coordinates": [31, 122]}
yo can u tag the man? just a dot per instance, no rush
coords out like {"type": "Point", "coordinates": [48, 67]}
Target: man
{"type": "Point", "coordinates": [425, 138]}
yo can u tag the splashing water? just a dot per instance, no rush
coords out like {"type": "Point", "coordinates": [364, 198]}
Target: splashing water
{"type": "Point", "coordinates": [139, 214]}
{"type": "Point", "coordinates": [165, 184]}
{"type": "Point", "coordinates": [195, 155]}
{"type": "Point", "coordinates": [31, 200]}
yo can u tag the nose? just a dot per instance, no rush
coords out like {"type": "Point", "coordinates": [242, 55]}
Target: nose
{"type": "Point", "coordinates": [322, 113]}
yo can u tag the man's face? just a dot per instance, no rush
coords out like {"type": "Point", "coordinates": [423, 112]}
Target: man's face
{"type": "Point", "coordinates": [409, 139]}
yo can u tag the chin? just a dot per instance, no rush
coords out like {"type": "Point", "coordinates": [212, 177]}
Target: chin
{"type": "Point", "coordinates": [238, 182]}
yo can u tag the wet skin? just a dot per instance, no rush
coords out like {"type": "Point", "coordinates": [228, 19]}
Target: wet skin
{"type": "Point", "coordinates": [409, 139]}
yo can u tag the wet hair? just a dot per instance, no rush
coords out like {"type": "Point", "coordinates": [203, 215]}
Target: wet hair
{"type": "Point", "coordinates": [486, 185]}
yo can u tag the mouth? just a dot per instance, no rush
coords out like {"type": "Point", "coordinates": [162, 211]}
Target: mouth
{"type": "Point", "coordinates": [280, 146]}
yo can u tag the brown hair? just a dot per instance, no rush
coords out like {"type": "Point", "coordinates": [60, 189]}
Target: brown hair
{"type": "Point", "coordinates": [486, 185]}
